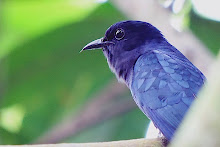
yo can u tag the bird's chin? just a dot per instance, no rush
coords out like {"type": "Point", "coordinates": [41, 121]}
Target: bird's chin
{"type": "Point", "coordinates": [105, 52]}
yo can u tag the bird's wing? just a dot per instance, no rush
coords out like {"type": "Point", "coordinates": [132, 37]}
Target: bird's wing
{"type": "Point", "coordinates": [164, 86]}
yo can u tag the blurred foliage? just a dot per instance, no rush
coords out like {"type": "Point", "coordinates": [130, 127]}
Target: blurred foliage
{"type": "Point", "coordinates": [44, 79]}
{"type": "Point", "coordinates": [130, 126]}
{"type": "Point", "coordinates": [45, 74]}
{"type": "Point", "coordinates": [206, 30]}
{"type": "Point", "coordinates": [23, 20]}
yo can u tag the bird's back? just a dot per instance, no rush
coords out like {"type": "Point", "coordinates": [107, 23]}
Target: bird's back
{"type": "Point", "coordinates": [164, 85]}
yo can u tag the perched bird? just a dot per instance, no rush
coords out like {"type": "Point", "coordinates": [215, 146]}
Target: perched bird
{"type": "Point", "coordinates": [162, 81]}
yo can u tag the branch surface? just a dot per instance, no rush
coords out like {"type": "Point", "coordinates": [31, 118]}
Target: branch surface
{"type": "Point", "coordinates": [123, 143]}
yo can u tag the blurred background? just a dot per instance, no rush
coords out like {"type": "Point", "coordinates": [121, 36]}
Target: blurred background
{"type": "Point", "coordinates": [51, 93]}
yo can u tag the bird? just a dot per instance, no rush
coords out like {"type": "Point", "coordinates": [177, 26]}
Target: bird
{"type": "Point", "coordinates": [162, 81]}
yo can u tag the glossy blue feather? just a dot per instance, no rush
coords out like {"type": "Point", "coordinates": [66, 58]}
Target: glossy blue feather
{"type": "Point", "coordinates": [166, 101]}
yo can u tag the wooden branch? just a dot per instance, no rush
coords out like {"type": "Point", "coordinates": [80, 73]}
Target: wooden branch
{"type": "Point", "coordinates": [123, 143]}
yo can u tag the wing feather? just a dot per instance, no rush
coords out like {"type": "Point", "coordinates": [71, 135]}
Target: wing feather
{"type": "Point", "coordinates": [164, 86]}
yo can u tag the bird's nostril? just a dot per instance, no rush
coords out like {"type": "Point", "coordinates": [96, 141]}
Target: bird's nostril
{"type": "Point", "coordinates": [104, 39]}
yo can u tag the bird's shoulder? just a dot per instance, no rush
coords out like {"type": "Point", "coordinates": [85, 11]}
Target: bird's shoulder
{"type": "Point", "coordinates": [166, 73]}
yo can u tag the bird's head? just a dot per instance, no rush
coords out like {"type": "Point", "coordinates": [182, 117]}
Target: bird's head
{"type": "Point", "coordinates": [124, 42]}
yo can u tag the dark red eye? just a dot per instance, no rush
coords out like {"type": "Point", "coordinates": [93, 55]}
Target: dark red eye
{"type": "Point", "coordinates": [119, 34]}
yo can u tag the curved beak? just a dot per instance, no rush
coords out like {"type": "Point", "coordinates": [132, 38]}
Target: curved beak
{"type": "Point", "coordinates": [96, 44]}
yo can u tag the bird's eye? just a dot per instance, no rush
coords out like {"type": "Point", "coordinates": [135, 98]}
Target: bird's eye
{"type": "Point", "coordinates": [119, 34]}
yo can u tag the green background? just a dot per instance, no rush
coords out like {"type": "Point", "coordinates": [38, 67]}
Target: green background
{"type": "Point", "coordinates": [44, 79]}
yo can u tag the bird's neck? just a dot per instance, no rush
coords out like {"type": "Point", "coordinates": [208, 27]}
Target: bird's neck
{"type": "Point", "coordinates": [123, 65]}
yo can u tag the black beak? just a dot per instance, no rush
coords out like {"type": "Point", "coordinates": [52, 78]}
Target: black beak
{"type": "Point", "coordinates": [96, 44]}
